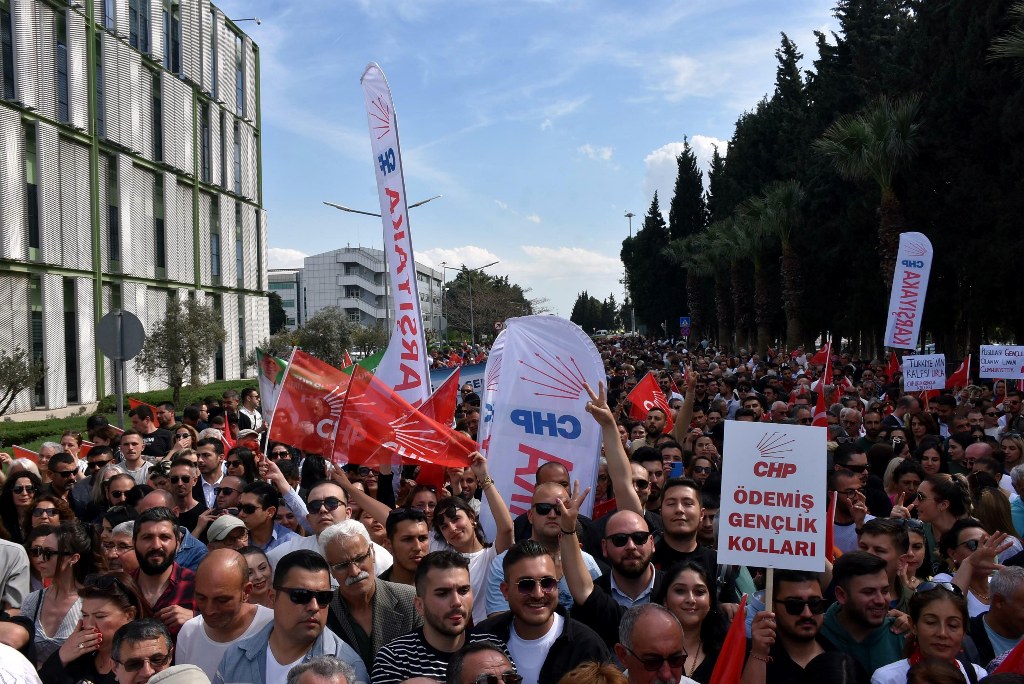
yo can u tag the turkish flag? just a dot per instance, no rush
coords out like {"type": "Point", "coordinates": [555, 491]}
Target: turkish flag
{"type": "Point", "coordinates": [135, 403]}
{"type": "Point", "coordinates": [894, 366]}
{"type": "Point", "coordinates": [309, 407]}
{"type": "Point", "coordinates": [376, 423]}
{"type": "Point", "coordinates": [820, 415]}
{"type": "Point", "coordinates": [454, 359]}
{"type": "Point", "coordinates": [346, 360]}
{"type": "Point", "coordinates": [959, 378]}
{"type": "Point", "coordinates": [647, 395]}
{"type": "Point", "coordinates": [22, 452]}
{"type": "Point", "coordinates": [823, 356]}
{"type": "Point", "coordinates": [732, 656]}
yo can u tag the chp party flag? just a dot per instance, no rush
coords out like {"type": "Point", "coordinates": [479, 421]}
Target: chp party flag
{"type": "Point", "coordinates": [135, 403]}
{"type": "Point", "coordinates": [309, 405]}
{"type": "Point", "coordinates": [647, 395]}
{"type": "Point", "coordinates": [960, 377]}
{"type": "Point", "coordinates": [909, 286]}
{"type": "Point", "coordinates": [441, 407]}
{"type": "Point", "coordinates": [894, 366]}
{"type": "Point", "coordinates": [346, 360]}
{"type": "Point", "coordinates": [406, 364]}
{"type": "Point", "coordinates": [272, 370]}
{"type": "Point", "coordinates": [376, 422]}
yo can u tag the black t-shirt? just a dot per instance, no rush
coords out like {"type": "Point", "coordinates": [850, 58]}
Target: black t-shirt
{"type": "Point", "coordinates": [665, 557]}
{"type": "Point", "coordinates": [157, 443]}
{"type": "Point", "coordinates": [190, 518]}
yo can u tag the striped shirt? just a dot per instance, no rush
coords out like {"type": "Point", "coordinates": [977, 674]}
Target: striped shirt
{"type": "Point", "coordinates": [411, 656]}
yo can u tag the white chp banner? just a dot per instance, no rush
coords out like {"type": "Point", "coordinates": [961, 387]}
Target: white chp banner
{"type": "Point", "coordinates": [924, 372]}
{"type": "Point", "coordinates": [535, 408]}
{"type": "Point", "coordinates": [773, 496]}
{"type": "Point", "coordinates": [406, 364]}
{"type": "Point", "coordinates": [909, 286]}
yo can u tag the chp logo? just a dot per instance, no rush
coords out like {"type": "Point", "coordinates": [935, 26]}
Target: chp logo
{"type": "Point", "coordinates": [772, 449]}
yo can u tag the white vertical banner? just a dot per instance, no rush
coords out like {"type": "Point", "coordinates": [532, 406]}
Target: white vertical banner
{"type": "Point", "coordinates": [909, 286]}
{"type": "Point", "coordinates": [406, 364]}
{"type": "Point", "coordinates": [535, 408]}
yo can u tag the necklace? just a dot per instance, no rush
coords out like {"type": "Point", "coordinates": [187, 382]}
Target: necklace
{"type": "Point", "coordinates": [696, 660]}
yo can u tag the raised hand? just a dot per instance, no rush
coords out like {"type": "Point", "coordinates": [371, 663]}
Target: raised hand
{"type": "Point", "coordinates": [598, 405]}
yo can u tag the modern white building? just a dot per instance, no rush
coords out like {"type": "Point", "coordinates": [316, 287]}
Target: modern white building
{"type": "Point", "coordinates": [287, 283]}
{"type": "Point", "coordinates": [129, 174]}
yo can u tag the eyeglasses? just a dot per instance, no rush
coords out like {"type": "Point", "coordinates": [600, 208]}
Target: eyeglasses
{"type": "Point", "coordinates": [234, 464]}
{"type": "Point", "coordinates": [183, 435]}
{"type": "Point", "coordinates": [248, 509]}
{"type": "Point", "coordinates": [652, 663]}
{"type": "Point", "coordinates": [331, 503]}
{"type": "Point", "coordinates": [850, 493]}
{"type": "Point", "coordinates": [40, 512]}
{"type": "Point", "coordinates": [528, 584]}
{"type": "Point", "coordinates": [509, 677]}
{"type": "Point", "coordinates": [301, 597]}
{"type": "Point", "coordinates": [855, 468]}
{"type": "Point", "coordinates": [183, 479]}
{"type": "Point", "coordinates": [119, 494]}
{"type": "Point", "coordinates": [621, 539]}
{"type": "Point", "coordinates": [355, 562]}
{"type": "Point", "coordinates": [157, 660]}
{"type": "Point", "coordinates": [971, 544]}
{"type": "Point", "coordinates": [991, 414]}
{"type": "Point", "coordinates": [217, 491]}
{"type": "Point", "coordinates": [909, 523]}
{"type": "Point", "coordinates": [280, 453]}
{"type": "Point", "coordinates": [641, 484]}
{"type": "Point", "coordinates": [25, 489]}
{"type": "Point", "coordinates": [65, 473]}
{"type": "Point", "coordinates": [119, 548]}
{"type": "Point", "coordinates": [703, 470]}
{"type": "Point", "coordinates": [948, 586]}
{"type": "Point", "coordinates": [546, 508]}
{"type": "Point", "coordinates": [42, 552]}
{"type": "Point", "coordinates": [795, 606]}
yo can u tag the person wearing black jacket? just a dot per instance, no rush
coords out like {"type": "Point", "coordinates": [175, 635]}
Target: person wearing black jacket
{"type": "Point", "coordinates": [545, 643]}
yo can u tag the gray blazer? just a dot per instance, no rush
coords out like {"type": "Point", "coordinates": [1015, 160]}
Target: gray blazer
{"type": "Point", "coordinates": [394, 615]}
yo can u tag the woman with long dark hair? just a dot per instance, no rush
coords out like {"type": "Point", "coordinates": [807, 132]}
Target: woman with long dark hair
{"type": "Point", "coordinates": [16, 502]}
{"type": "Point", "coordinates": [690, 595]}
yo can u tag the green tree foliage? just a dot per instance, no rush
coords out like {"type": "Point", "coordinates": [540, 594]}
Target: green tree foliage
{"type": "Point", "coordinates": [592, 315]}
{"type": "Point", "coordinates": [278, 318]}
{"type": "Point", "coordinates": [653, 298]}
{"type": "Point", "coordinates": [181, 347]}
{"type": "Point", "coordinates": [18, 372]}
{"type": "Point", "coordinates": [326, 335]}
{"type": "Point", "coordinates": [475, 301]}
{"type": "Point", "coordinates": [687, 214]}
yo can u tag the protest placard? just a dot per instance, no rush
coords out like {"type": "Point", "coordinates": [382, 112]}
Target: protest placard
{"type": "Point", "coordinates": [1001, 361]}
{"type": "Point", "coordinates": [924, 372]}
{"type": "Point", "coordinates": [773, 496]}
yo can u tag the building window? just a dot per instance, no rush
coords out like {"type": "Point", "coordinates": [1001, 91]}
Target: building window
{"type": "Point", "coordinates": [101, 119]}
{"type": "Point", "coordinates": [241, 333]}
{"type": "Point", "coordinates": [238, 158]}
{"type": "Point", "coordinates": [223, 170]}
{"type": "Point", "coordinates": [31, 185]}
{"type": "Point", "coordinates": [204, 142]}
{"type": "Point", "coordinates": [239, 252]}
{"type": "Point", "coordinates": [70, 340]}
{"type": "Point", "coordinates": [215, 242]}
{"type": "Point", "coordinates": [158, 119]}
{"type": "Point", "coordinates": [60, 26]}
{"type": "Point", "coordinates": [282, 286]}
{"type": "Point", "coordinates": [288, 303]}
{"type": "Point", "coordinates": [7, 49]}
{"type": "Point", "coordinates": [172, 36]}
{"type": "Point", "coordinates": [113, 216]}
{"type": "Point", "coordinates": [289, 321]}
{"type": "Point", "coordinates": [239, 76]}
{"type": "Point", "coordinates": [36, 303]}
{"type": "Point", "coordinates": [218, 357]}
{"type": "Point", "coordinates": [213, 53]}
{"type": "Point", "coordinates": [109, 14]}
{"type": "Point", "coordinates": [138, 25]}
{"type": "Point", "coordinates": [159, 230]}
{"type": "Point", "coordinates": [259, 251]}
{"type": "Point", "coordinates": [353, 317]}
{"type": "Point", "coordinates": [352, 291]}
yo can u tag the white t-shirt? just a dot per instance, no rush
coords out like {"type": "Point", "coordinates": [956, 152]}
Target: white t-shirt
{"type": "Point", "coordinates": [15, 667]}
{"type": "Point", "coordinates": [276, 672]}
{"type": "Point", "coordinates": [896, 673]}
{"type": "Point", "coordinates": [530, 654]}
{"type": "Point", "coordinates": [479, 570]}
{"type": "Point", "coordinates": [197, 648]}
{"type": "Point", "coordinates": [974, 606]}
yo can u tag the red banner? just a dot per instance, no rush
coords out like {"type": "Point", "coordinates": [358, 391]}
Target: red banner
{"type": "Point", "coordinates": [647, 395]}
{"type": "Point", "coordinates": [135, 403]}
{"type": "Point", "coordinates": [309, 407]}
{"type": "Point", "coordinates": [22, 452]}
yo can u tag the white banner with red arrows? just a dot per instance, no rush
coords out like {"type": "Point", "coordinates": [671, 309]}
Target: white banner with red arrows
{"type": "Point", "coordinates": [909, 286]}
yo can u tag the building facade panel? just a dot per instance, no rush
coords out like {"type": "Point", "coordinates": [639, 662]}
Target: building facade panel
{"type": "Point", "coordinates": [228, 234]}
{"type": "Point", "coordinates": [48, 179]}
{"type": "Point", "coordinates": [55, 383]}
{"type": "Point", "coordinates": [26, 40]}
{"type": "Point", "coordinates": [84, 316]}
{"type": "Point", "coordinates": [78, 83]}
{"type": "Point", "coordinates": [13, 221]}
{"type": "Point", "coordinates": [75, 205]}
{"type": "Point", "coordinates": [15, 331]}
{"type": "Point", "coordinates": [232, 359]}
{"type": "Point", "coordinates": [250, 80]}
{"type": "Point", "coordinates": [141, 247]}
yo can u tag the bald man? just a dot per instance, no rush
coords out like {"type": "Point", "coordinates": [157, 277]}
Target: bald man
{"type": "Point", "coordinates": [191, 551]}
{"type": "Point", "coordinates": [553, 471]}
{"type": "Point", "coordinates": [222, 589]}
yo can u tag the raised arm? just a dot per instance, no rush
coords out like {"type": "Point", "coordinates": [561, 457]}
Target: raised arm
{"type": "Point", "coordinates": [581, 585]}
{"type": "Point", "coordinates": [505, 536]}
{"type": "Point", "coordinates": [378, 510]}
{"type": "Point", "coordinates": [685, 415]}
{"type": "Point", "coordinates": [619, 471]}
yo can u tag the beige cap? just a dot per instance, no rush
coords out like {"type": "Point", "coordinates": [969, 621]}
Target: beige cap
{"type": "Point", "coordinates": [180, 674]}
{"type": "Point", "coordinates": [222, 526]}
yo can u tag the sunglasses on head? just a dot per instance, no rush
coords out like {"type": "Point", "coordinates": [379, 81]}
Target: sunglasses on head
{"type": "Point", "coordinates": [301, 597]}
{"type": "Point", "coordinates": [331, 503]}
{"type": "Point", "coordinates": [546, 508]}
{"type": "Point", "coordinates": [509, 677]}
{"type": "Point", "coordinates": [795, 606]}
{"type": "Point", "coordinates": [652, 663]}
{"type": "Point", "coordinates": [622, 538]}
{"type": "Point", "coordinates": [909, 523]}
{"type": "Point", "coordinates": [157, 660]}
{"type": "Point", "coordinates": [528, 584]}
{"type": "Point", "coordinates": [42, 552]}
{"type": "Point", "coordinates": [25, 489]}
{"type": "Point", "coordinates": [948, 586]}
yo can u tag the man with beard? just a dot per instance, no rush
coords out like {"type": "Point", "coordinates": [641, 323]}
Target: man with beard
{"type": "Point", "coordinates": [225, 617]}
{"type": "Point", "coordinates": [167, 587]}
{"type": "Point", "coordinates": [190, 551]}
{"type": "Point", "coordinates": [444, 597]}
{"type": "Point", "coordinates": [555, 472]}
{"type": "Point", "coordinates": [652, 461]}
{"type": "Point", "coordinates": [654, 424]}
{"type": "Point", "coordinates": [857, 623]}
{"type": "Point", "coordinates": [543, 640]}
{"type": "Point", "coordinates": [366, 612]}
{"type": "Point", "coordinates": [409, 538]}
{"type": "Point", "coordinates": [302, 592]}
{"type": "Point", "coordinates": [787, 637]}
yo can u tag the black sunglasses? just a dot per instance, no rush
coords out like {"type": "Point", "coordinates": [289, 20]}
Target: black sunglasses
{"type": "Point", "coordinates": [331, 503]}
{"type": "Point", "coordinates": [510, 677]}
{"type": "Point", "coordinates": [528, 584]}
{"type": "Point", "coordinates": [703, 470]}
{"type": "Point", "coordinates": [157, 660]}
{"type": "Point", "coordinates": [795, 606]}
{"type": "Point", "coordinates": [234, 464]}
{"type": "Point", "coordinates": [279, 453]}
{"type": "Point", "coordinates": [40, 512]}
{"type": "Point", "coordinates": [217, 491]}
{"type": "Point", "coordinates": [119, 494]}
{"type": "Point", "coordinates": [23, 489]}
{"type": "Point", "coordinates": [42, 552]}
{"type": "Point", "coordinates": [182, 479]}
{"type": "Point", "coordinates": [301, 597]}
{"type": "Point", "coordinates": [971, 544]}
{"type": "Point", "coordinates": [653, 663]}
{"type": "Point", "coordinates": [65, 473]}
{"type": "Point", "coordinates": [248, 509]}
{"type": "Point", "coordinates": [622, 538]}
{"type": "Point", "coordinates": [641, 484]}
{"type": "Point", "coordinates": [909, 523]}
{"type": "Point", "coordinates": [92, 465]}
{"type": "Point", "coordinates": [546, 508]}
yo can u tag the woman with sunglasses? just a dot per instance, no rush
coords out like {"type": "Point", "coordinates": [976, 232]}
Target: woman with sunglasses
{"type": "Point", "coordinates": [17, 499]}
{"type": "Point", "coordinates": [939, 618]}
{"type": "Point", "coordinates": [260, 575]}
{"type": "Point", "coordinates": [49, 510]}
{"type": "Point", "coordinates": [971, 554]}
{"type": "Point", "coordinates": [701, 468]}
{"type": "Point", "coordinates": [64, 557]}
{"type": "Point", "coordinates": [183, 437]}
{"type": "Point", "coordinates": [689, 595]}
{"type": "Point", "coordinates": [241, 463]}
{"type": "Point", "coordinates": [109, 601]}
{"type": "Point", "coordinates": [941, 501]}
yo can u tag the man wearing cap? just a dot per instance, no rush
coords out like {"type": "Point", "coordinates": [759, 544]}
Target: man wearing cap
{"type": "Point", "coordinates": [227, 532]}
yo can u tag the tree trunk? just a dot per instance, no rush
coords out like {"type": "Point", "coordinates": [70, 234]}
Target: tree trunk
{"type": "Point", "coordinates": [693, 296]}
{"type": "Point", "coordinates": [792, 294]}
{"type": "Point", "coordinates": [740, 304]}
{"type": "Point", "coordinates": [762, 307]}
{"type": "Point", "coordinates": [722, 302]}
{"type": "Point", "coordinates": [891, 223]}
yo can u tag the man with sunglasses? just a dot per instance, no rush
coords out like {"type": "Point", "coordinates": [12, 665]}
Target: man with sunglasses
{"type": "Point", "coordinates": [483, 662]}
{"type": "Point", "coordinates": [140, 649]}
{"type": "Point", "coordinates": [850, 456]}
{"type": "Point", "coordinates": [366, 611]}
{"type": "Point", "coordinates": [302, 594]}
{"type": "Point", "coordinates": [81, 494]}
{"type": "Point", "coordinates": [63, 468]}
{"type": "Point", "coordinates": [543, 640]}
{"type": "Point", "coordinates": [182, 483]}
{"type": "Point", "coordinates": [257, 508]}
{"type": "Point", "coordinates": [651, 646]}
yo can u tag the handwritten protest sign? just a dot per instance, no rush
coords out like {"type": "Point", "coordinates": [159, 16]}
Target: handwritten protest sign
{"type": "Point", "coordinates": [773, 496]}
{"type": "Point", "coordinates": [999, 361]}
{"type": "Point", "coordinates": [925, 372]}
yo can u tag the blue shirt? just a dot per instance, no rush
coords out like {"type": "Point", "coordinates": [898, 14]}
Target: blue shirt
{"type": "Point", "coordinates": [279, 535]}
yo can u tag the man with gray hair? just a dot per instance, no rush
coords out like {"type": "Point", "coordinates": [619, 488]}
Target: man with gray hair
{"type": "Point", "coordinates": [322, 670]}
{"type": "Point", "coordinates": [140, 649]}
{"type": "Point", "coordinates": [850, 419]}
{"type": "Point", "coordinates": [47, 451]}
{"type": "Point", "coordinates": [651, 646]}
{"type": "Point", "coordinates": [119, 550]}
{"type": "Point", "coordinates": [366, 612]}
{"type": "Point", "coordinates": [1000, 628]}
{"type": "Point", "coordinates": [480, 658]}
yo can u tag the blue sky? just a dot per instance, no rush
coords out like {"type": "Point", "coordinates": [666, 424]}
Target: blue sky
{"type": "Point", "coordinates": [540, 122]}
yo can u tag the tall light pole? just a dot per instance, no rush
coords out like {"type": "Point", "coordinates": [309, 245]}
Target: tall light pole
{"type": "Point", "coordinates": [625, 277]}
{"type": "Point", "coordinates": [469, 278]}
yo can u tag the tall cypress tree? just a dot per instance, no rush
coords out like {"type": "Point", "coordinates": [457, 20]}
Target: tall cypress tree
{"type": "Point", "coordinates": [687, 214]}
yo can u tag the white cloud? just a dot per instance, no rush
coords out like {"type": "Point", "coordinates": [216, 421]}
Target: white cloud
{"type": "Point", "coordinates": [284, 257]}
{"type": "Point", "coordinates": [662, 168]}
{"type": "Point", "coordinates": [546, 125]}
{"type": "Point", "coordinates": [504, 206]}
{"type": "Point", "coordinates": [602, 153]}
{"type": "Point", "coordinates": [533, 218]}
{"type": "Point", "coordinates": [501, 205]}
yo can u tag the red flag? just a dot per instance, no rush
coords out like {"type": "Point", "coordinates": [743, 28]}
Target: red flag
{"type": "Point", "coordinates": [1014, 662]}
{"type": "Point", "coordinates": [732, 656]}
{"type": "Point", "coordinates": [894, 366]}
{"type": "Point", "coordinates": [823, 356]}
{"type": "Point", "coordinates": [84, 448]}
{"type": "Point", "coordinates": [22, 452]}
{"type": "Point", "coordinates": [309, 407]}
{"type": "Point", "coordinates": [830, 533]}
{"type": "Point", "coordinates": [924, 396]}
{"type": "Point", "coordinates": [135, 403]}
{"type": "Point", "coordinates": [454, 359]}
{"type": "Point", "coordinates": [346, 360]}
{"type": "Point", "coordinates": [481, 357]}
{"type": "Point", "coordinates": [116, 429]}
{"type": "Point", "coordinates": [441, 407]}
{"type": "Point", "coordinates": [647, 395]}
{"type": "Point", "coordinates": [820, 415]}
{"type": "Point", "coordinates": [959, 378]}
{"type": "Point", "coordinates": [604, 508]}
{"type": "Point", "coordinates": [672, 384]}
{"type": "Point", "coordinates": [376, 423]}
{"type": "Point", "coordinates": [826, 375]}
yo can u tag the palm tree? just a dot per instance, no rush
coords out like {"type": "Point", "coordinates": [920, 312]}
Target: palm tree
{"type": "Point", "coordinates": [1011, 45]}
{"type": "Point", "coordinates": [751, 219]}
{"type": "Point", "coordinates": [783, 203]}
{"type": "Point", "coordinates": [692, 254]}
{"type": "Point", "coordinates": [875, 144]}
{"type": "Point", "coordinates": [728, 243]}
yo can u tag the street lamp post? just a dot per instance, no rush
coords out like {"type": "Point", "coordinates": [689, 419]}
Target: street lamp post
{"type": "Point", "coordinates": [469, 278]}
{"type": "Point", "coordinates": [625, 279]}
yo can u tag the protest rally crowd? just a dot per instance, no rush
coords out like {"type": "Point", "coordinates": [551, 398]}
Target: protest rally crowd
{"type": "Point", "coordinates": [192, 548]}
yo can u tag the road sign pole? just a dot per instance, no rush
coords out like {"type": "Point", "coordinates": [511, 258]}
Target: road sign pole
{"type": "Point", "coordinates": [119, 367]}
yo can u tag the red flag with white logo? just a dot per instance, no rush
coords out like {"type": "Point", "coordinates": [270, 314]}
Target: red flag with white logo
{"type": "Point", "coordinates": [647, 395]}
{"type": "Point", "coordinates": [960, 377]}
{"type": "Point", "coordinates": [346, 360]}
{"type": "Point", "coordinates": [441, 407]}
{"type": "Point", "coordinates": [309, 406]}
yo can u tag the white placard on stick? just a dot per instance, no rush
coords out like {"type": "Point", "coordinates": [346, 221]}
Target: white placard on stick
{"type": "Point", "coordinates": [1001, 361]}
{"type": "Point", "coordinates": [773, 496]}
{"type": "Point", "coordinates": [924, 372]}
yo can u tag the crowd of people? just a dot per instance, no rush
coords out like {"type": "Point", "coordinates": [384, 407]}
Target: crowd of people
{"type": "Point", "coordinates": [162, 556]}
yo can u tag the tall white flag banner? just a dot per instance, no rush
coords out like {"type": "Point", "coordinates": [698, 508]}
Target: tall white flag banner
{"type": "Point", "coordinates": [406, 364]}
{"type": "Point", "coordinates": [773, 496]}
{"type": "Point", "coordinates": [909, 286]}
{"type": "Point", "coordinates": [535, 408]}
